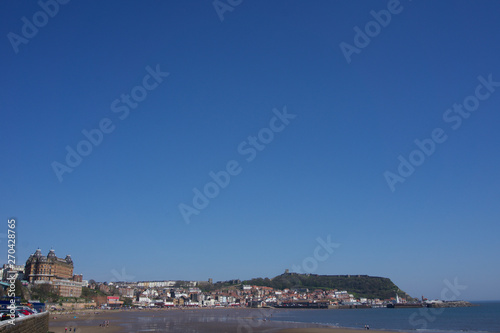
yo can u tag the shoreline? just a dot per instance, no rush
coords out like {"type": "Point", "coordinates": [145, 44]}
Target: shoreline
{"type": "Point", "coordinates": [244, 320]}
{"type": "Point", "coordinates": [328, 330]}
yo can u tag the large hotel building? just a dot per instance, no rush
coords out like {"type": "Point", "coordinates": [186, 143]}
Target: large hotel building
{"type": "Point", "coordinates": [55, 271]}
{"type": "Point", "coordinates": [48, 268]}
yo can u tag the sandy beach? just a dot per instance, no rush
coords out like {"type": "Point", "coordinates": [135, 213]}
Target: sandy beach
{"type": "Point", "coordinates": [325, 330]}
{"type": "Point", "coordinates": [240, 320]}
{"type": "Point", "coordinates": [84, 321]}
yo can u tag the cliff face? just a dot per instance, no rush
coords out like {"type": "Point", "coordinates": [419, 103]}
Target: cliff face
{"type": "Point", "coordinates": [359, 285]}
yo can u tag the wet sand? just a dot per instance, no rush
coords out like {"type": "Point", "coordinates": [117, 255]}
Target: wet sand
{"type": "Point", "coordinates": [86, 321]}
{"type": "Point", "coordinates": [327, 330]}
{"type": "Point", "coordinates": [241, 320]}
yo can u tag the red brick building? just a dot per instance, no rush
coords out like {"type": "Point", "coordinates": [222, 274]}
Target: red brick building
{"type": "Point", "coordinates": [48, 268]}
{"type": "Point", "coordinates": [57, 272]}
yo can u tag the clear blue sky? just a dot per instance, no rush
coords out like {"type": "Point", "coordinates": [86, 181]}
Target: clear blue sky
{"type": "Point", "coordinates": [323, 174]}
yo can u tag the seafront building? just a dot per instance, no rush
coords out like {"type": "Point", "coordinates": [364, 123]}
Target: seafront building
{"type": "Point", "coordinates": [48, 268]}
{"type": "Point", "coordinates": [11, 270]}
{"type": "Point", "coordinates": [57, 272]}
{"type": "Point", "coordinates": [156, 284]}
{"type": "Point", "coordinates": [147, 294]}
{"type": "Point", "coordinates": [163, 284]}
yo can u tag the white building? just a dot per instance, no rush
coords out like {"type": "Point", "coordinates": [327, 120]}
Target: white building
{"type": "Point", "coordinates": [144, 300]}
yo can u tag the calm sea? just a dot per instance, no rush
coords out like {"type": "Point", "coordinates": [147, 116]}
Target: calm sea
{"type": "Point", "coordinates": [482, 318]}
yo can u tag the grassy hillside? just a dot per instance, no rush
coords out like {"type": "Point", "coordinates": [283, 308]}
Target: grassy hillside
{"type": "Point", "coordinates": [359, 285]}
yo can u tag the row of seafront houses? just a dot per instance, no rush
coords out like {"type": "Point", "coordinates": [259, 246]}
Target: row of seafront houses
{"type": "Point", "coordinates": [58, 273]}
{"type": "Point", "coordinates": [163, 294]}
{"type": "Point", "coordinates": [169, 294]}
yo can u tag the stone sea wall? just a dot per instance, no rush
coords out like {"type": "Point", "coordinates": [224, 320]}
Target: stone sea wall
{"type": "Point", "coordinates": [37, 323]}
{"type": "Point", "coordinates": [451, 304]}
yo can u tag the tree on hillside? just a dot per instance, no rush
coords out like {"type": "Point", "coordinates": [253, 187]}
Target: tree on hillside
{"type": "Point", "coordinates": [43, 293]}
{"type": "Point", "coordinates": [127, 301]}
{"type": "Point", "coordinates": [19, 289]}
{"type": "Point", "coordinates": [359, 285]}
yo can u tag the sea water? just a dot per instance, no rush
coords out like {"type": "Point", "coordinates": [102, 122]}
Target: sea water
{"type": "Point", "coordinates": [482, 318]}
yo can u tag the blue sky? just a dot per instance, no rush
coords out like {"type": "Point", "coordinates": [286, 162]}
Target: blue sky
{"type": "Point", "coordinates": [117, 212]}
